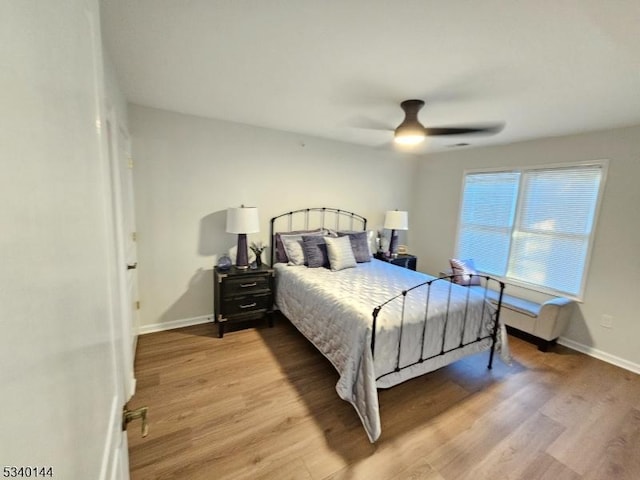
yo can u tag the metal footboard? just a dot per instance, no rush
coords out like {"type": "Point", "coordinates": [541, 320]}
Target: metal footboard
{"type": "Point", "coordinates": [486, 284]}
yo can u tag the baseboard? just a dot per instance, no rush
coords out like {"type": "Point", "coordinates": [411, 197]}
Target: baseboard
{"type": "Point", "coordinates": [600, 355]}
{"type": "Point", "coordinates": [184, 322]}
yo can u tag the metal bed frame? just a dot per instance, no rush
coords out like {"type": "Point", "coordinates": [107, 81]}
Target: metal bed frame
{"type": "Point", "coordinates": [328, 218]}
{"type": "Point", "coordinates": [479, 337]}
{"type": "Point", "coordinates": [333, 217]}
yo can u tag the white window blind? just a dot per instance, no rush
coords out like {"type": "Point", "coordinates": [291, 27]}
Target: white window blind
{"type": "Point", "coordinates": [488, 212]}
{"type": "Point", "coordinates": [533, 226]}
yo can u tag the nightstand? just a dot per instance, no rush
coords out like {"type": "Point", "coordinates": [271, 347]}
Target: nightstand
{"type": "Point", "coordinates": [242, 294]}
{"type": "Point", "coordinates": [402, 260]}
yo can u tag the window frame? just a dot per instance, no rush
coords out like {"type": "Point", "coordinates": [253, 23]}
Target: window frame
{"type": "Point", "coordinates": [603, 164]}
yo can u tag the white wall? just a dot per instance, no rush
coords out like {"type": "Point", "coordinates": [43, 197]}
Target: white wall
{"type": "Point", "coordinates": [613, 284]}
{"type": "Point", "coordinates": [57, 364]}
{"type": "Point", "coordinates": [189, 170]}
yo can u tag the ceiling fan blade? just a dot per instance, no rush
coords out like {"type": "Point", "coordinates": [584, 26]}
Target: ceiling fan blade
{"type": "Point", "coordinates": [366, 123]}
{"type": "Point", "coordinates": [468, 130]}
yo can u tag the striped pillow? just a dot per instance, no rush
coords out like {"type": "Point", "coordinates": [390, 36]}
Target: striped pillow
{"type": "Point", "coordinates": [340, 253]}
{"type": "Point", "coordinates": [464, 271]}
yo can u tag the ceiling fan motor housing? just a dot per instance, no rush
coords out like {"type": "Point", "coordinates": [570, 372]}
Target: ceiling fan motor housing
{"type": "Point", "coordinates": [411, 131]}
{"type": "Point", "coordinates": [410, 126]}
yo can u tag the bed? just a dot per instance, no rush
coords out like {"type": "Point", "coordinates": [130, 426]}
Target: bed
{"type": "Point", "coordinates": [377, 323]}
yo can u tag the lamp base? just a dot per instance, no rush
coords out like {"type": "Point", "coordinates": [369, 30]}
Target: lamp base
{"type": "Point", "coordinates": [393, 253]}
{"type": "Point", "coordinates": [242, 253]}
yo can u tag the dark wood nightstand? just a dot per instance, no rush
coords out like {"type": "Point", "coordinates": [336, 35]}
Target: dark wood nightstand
{"type": "Point", "coordinates": [402, 260]}
{"type": "Point", "coordinates": [240, 295]}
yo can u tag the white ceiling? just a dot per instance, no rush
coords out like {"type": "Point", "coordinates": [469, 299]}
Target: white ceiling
{"type": "Point", "coordinates": [339, 68]}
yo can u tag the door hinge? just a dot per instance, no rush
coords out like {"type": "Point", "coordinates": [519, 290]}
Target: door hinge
{"type": "Point", "coordinates": [134, 236]}
{"type": "Point", "coordinates": [130, 161]}
{"type": "Point", "coordinates": [138, 305]}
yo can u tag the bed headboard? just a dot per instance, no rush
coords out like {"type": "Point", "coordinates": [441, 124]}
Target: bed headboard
{"type": "Point", "coordinates": [310, 218]}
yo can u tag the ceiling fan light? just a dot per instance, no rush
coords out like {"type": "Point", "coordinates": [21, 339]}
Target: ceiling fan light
{"type": "Point", "coordinates": [409, 133]}
{"type": "Point", "coordinates": [409, 139]}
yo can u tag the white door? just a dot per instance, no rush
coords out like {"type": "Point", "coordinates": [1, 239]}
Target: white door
{"type": "Point", "coordinates": [121, 168]}
{"type": "Point", "coordinates": [62, 371]}
{"type": "Point", "coordinates": [126, 164]}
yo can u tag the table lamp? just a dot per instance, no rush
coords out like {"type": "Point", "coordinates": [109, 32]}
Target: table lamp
{"type": "Point", "coordinates": [395, 220]}
{"type": "Point", "coordinates": [242, 220]}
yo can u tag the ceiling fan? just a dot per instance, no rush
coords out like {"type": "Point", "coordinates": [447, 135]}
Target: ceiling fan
{"type": "Point", "coordinates": [412, 132]}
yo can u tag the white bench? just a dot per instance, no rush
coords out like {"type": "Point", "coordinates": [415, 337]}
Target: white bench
{"type": "Point", "coordinates": [545, 321]}
{"type": "Point", "coordinates": [542, 322]}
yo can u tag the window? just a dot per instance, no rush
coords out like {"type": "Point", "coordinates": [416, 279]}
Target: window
{"type": "Point", "coordinates": [533, 226]}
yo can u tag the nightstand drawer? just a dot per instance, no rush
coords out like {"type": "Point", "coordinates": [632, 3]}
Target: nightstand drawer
{"type": "Point", "coordinates": [245, 303]}
{"type": "Point", "coordinates": [245, 285]}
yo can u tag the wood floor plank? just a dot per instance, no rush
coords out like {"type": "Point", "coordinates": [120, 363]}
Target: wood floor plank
{"type": "Point", "coordinates": [420, 470]}
{"type": "Point", "coordinates": [591, 435]}
{"type": "Point", "coordinates": [261, 403]}
{"type": "Point", "coordinates": [621, 456]}
{"type": "Point", "coordinates": [464, 452]}
{"type": "Point", "coordinates": [545, 467]}
{"type": "Point", "coordinates": [510, 457]}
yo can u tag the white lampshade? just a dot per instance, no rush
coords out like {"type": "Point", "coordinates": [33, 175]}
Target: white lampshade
{"type": "Point", "coordinates": [243, 220]}
{"type": "Point", "coordinates": [396, 220]}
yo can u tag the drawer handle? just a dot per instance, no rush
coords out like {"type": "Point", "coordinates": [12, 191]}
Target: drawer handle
{"type": "Point", "coordinates": [246, 285]}
{"type": "Point", "coordinates": [249, 305]}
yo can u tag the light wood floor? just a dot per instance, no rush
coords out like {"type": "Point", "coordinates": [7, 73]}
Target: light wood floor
{"type": "Point", "coordinates": [261, 403]}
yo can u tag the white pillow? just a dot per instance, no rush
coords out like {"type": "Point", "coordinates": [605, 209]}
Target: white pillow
{"type": "Point", "coordinates": [340, 253]}
{"type": "Point", "coordinates": [293, 248]}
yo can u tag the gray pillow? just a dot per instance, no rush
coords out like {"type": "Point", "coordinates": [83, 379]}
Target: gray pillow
{"type": "Point", "coordinates": [359, 245]}
{"type": "Point", "coordinates": [293, 247]}
{"type": "Point", "coordinates": [281, 254]}
{"type": "Point", "coordinates": [315, 251]}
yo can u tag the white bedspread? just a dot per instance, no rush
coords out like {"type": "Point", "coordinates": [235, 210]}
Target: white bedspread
{"type": "Point", "coordinates": [334, 311]}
